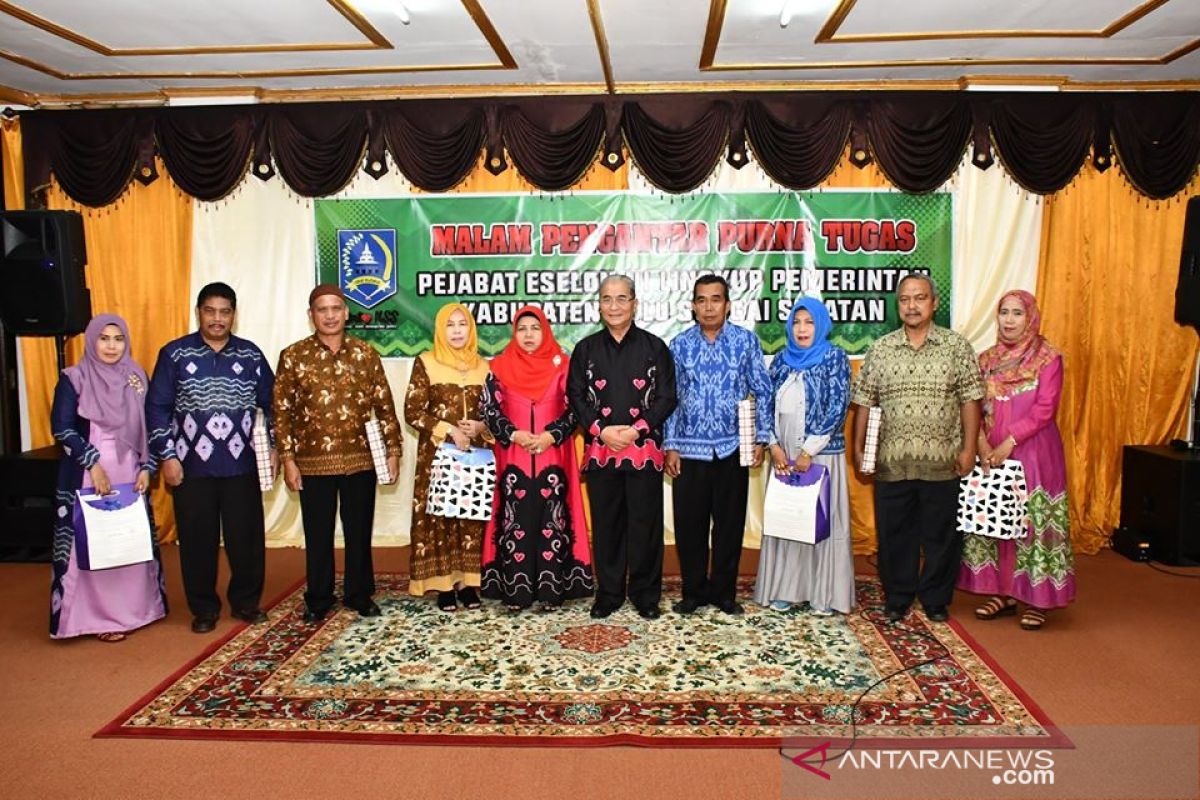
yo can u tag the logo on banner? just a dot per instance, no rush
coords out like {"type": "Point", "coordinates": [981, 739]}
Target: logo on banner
{"type": "Point", "coordinates": [367, 265]}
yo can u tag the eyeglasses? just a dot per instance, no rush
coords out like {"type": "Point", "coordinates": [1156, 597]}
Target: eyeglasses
{"type": "Point", "coordinates": [619, 300]}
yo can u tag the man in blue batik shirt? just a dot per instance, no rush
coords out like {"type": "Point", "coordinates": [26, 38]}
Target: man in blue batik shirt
{"type": "Point", "coordinates": [717, 364]}
{"type": "Point", "coordinates": [200, 412]}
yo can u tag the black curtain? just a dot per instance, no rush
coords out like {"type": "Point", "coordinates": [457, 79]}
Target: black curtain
{"type": "Point", "coordinates": [917, 138]}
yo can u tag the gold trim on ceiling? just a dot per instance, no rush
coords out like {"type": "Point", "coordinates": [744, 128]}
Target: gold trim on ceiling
{"type": "Point", "coordinates": [601, 42]}
{"type": "Point", "coordinates": [489, 32]}
{"type": "Point", "coordinates": [964, 62]}
{"type": "Point", "coordinates": [829, 31]}
{"type": "Point", "coordinates": [375, 39]}
{"type": "Point", "coordinates": [10, 95]}
{"type": "Point", "coordinates": [306, 72]}
{"type": "Point", "coordinates": [504, 59]}
{"type": "Point", "coordinates": [712, 33]}
{"type": "Point", "coordinates": [580, 89]}
{"type": "Point", "coordinates": [716, 26]}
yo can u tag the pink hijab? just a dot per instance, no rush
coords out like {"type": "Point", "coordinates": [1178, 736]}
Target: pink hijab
{"type": "Point", "coordinates": [1009, 366]}
{"type": "Point", "coordinates": [112, 396]}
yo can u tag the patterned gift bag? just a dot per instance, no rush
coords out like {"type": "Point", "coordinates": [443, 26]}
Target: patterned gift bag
{"type": "Point", "coordinates": [462, 483]}
{"type": "Point", "coordinates": [871, 445]}
{"type": "Point", "coordinates": [746, 431]}
{"type": "Point", "coordinates": [262, 452]}
{"type": "Point", "coordinates": [378, 451]}
{"type": "Point", "coordinates": [994, 504]}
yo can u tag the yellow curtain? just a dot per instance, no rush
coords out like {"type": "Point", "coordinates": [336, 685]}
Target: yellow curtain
{"type": "Point", "coordinates": [139, 265]}
{"type": "Point", "coordinates": [596, 179]}
{"type": "Point", "coordinates": [861, 490]}
{"type": "Point", "coordinates": [14, 164]}
{"type": "Point", "coordinates": [1106, 285]}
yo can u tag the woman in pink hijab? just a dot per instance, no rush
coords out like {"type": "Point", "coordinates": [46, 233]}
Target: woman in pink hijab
{"type": "Point", "coordinates": [99, 419]}
{"type": "Point", "coordinates": [1023, 374]}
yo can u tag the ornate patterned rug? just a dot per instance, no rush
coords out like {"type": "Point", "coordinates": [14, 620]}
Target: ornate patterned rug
{"type": "Point", "coordinates": [418, 676]}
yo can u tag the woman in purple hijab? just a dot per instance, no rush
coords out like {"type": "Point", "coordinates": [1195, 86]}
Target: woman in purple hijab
{"type": "Point", "coordinates": [99, 419]}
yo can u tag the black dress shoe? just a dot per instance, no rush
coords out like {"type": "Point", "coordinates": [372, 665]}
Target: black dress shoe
{"type": "Point", "coordinates": [895, 614]}
{"type": "Point", "coordinates": [254, 616]}
{"type": "Point", "coordinates": [649, 612]}
{"type": "Point", "coordinates": [937, 614]}
{"type": "Point", "coordinates": [204, 623]}
{"type": "Point", "coordinates": [312, 615]}
{"type": "Point", "coordinates": [687, 605]}
{"type": "Point", "coordinates": [368, 609]}
{"type": "Point", "coordinates": [732, 607]}
{"type": "Point", "coordinates": [600, 610]}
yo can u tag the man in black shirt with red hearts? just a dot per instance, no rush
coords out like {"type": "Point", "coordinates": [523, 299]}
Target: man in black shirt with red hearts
{"type": "Point", "coordinates": [622, 387]}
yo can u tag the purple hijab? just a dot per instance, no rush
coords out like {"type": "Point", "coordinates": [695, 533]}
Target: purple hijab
{"type": "Point", "coordinates": [112, 396]}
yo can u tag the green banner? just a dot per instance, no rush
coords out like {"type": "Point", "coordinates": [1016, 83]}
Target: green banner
{"type": "Point", "coordinates": [399, 260]}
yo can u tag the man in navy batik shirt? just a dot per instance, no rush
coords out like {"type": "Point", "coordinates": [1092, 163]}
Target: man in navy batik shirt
{"type": "Point", "coordinates": [200, 412]}
{"type": "Point", "coordinates": [717, 364]}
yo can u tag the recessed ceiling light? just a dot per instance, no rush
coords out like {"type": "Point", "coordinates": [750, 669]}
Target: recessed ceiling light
{"type": "Point", "coordinates": [785, 14]}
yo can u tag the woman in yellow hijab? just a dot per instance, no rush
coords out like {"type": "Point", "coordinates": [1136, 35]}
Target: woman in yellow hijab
{"type": "Point", "coordinates": [442, 403]}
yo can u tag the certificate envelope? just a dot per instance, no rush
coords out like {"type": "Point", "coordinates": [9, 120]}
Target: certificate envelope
{"type": "Point", "coordinates": [115, 530]}
{"type": "Point", "coordinates": [790, 512]}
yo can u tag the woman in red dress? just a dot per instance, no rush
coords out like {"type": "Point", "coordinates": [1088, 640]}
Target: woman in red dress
{"type": "Point", "coordinates": [535, 549]}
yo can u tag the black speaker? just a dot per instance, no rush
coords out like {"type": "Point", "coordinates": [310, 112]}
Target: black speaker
{"type": "Point", "coordinates": [1160, 501]}
{"type": "Point", "coordinates": [27, 485]}
{"type": "Point", "coordinates": [42, 256]}
{"type": "Point", "coordinates": [1187, 291]}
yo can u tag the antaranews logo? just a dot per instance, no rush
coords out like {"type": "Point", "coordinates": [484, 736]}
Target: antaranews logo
{"type": "Point", "coordinates": [1007, 767]}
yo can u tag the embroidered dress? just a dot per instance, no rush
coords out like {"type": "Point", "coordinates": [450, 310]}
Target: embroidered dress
{"type": "Point", "coordinates": [536, 545]}
{"type": "Point", "coordinates": [810, 415]}
{"type": "Point", "coordinates": [1038, 569]}
{"type": "Point", "coordinates": [445, 550]}
{"type": "Point", "coordinates": [101, 601]}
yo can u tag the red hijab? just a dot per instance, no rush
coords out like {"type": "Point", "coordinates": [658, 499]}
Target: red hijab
{"type": "Point", "coordinates": [528, 374]}
{"type": "Point", "coordinates": [1009, 366]}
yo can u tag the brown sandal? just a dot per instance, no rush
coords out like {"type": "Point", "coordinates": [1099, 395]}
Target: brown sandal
{"type": "Point", "coordinates": [111, 637]}
{"type": "Point", "coordinates": [1033, 619]}
{"type": "Point", "coordinates": [996, 607]}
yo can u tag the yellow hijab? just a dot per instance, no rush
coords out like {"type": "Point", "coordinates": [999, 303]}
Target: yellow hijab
{"type": "Point", "coordinates": [464, 360]}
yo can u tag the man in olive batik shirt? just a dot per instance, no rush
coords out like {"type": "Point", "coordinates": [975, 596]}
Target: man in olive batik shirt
{"type": "Point", "coordinates": [926, 381]}
{"type": "Point", "coordinates": [326, 388]}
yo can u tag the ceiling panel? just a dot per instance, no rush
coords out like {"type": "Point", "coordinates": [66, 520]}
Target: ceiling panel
{"type": "Point", "coordinates": [114, 51]}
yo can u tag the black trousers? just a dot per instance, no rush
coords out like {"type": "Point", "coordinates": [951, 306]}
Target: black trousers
{"type": "Point", "coordinates": [710, 494]}
{"type": "Point", "coordinates": [627, 535]}
{"type": "Point", "coordinates": [207, 510]}
{"type": "Point", "coordinates": [318, 504]}
{"type": "Point", "coordinates": [912, 517]}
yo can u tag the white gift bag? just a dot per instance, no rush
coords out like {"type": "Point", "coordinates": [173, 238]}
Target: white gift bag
{"type": "Point", "coordinates": [462, 483]}
{"type": "Point", "coordinates": [993, 505]}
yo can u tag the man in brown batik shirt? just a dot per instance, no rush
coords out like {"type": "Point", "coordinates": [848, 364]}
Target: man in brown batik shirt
{"type": "Point", "coordinates": [327, 386]}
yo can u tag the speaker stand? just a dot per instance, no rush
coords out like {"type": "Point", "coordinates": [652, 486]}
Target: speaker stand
{"type": "Point", "coordinates": [1193, 444]}
{"type": "Point", "coordinates": [10, 403]}
{"type": "Point", "coordinates": [60, 350]}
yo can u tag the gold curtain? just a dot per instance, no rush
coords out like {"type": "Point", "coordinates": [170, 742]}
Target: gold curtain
{"type": "Point", "coordinates": [1106, 285]}
{"type": "Point", "coordinates": [861, 490]}
{"type": "Point", "coordinates": [139, 265]}
{"type": "Point", "coordinates": [14, 164]}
